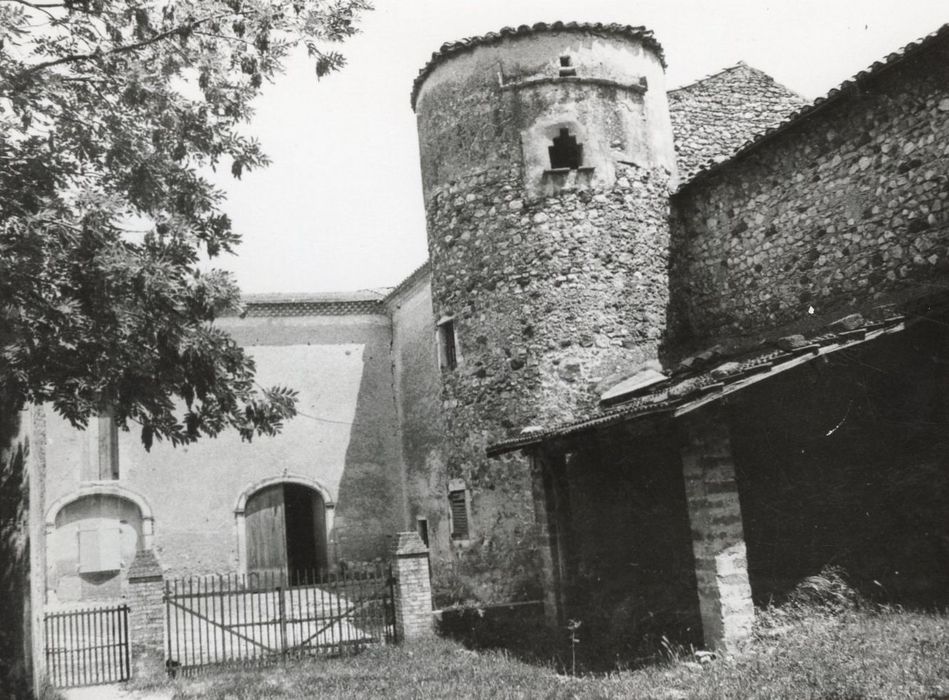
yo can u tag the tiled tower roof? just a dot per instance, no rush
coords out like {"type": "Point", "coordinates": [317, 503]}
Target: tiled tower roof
{"type": "Point", "coordinates": [453, 48]}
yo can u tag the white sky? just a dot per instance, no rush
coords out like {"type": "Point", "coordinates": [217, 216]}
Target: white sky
{"type": "Point", "coordinates": [341, 207]}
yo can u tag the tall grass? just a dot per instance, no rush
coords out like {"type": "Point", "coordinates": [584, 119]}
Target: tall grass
{"type": "Point", "coordinates": [855, 653]}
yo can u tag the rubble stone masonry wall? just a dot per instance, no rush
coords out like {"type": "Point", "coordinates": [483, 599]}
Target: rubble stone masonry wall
{"type": "Point", "coordinates": [847, 208]}
{"type": "Point", "coordinates": [713, 117]}
{"type": "Point", "coordinates": [555, 279]}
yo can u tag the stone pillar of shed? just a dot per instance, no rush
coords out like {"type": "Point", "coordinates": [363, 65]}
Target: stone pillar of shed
{"type": "Point", "coordinates": [146, 591]}
{"type": "Point", "coordinates": [547, 545]}
{"type": "Point", "coordinates": [413, 589]}
{"type": "Point", "coordinates": [718, 542]}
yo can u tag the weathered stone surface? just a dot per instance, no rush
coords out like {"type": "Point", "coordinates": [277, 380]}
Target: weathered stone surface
{"type": "Point", "coordinates": [555, 280]}
{"type": "Point", "coordinates": [846, 210]}
{"type": "Point", "coordinates": [713, 117]}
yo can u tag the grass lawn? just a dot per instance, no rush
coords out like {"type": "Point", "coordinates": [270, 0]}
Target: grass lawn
{"type": "Point", "coordinates": [851, 654]}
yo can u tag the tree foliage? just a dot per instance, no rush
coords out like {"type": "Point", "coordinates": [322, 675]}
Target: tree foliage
{"type": "Point", "coordinates": [111, 114]}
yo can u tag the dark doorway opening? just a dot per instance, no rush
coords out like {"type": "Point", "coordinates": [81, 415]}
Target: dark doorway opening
{"type": "Point", "coordinates": [306, 537]}
{"type": "Point", "coordinates": [286, 533]}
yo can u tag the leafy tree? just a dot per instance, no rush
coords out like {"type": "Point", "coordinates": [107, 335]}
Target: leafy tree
{"type": "Point", "coordinates": [111, 114]}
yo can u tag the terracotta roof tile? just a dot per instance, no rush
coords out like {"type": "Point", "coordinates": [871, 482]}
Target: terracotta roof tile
{"type": "Point", "coordinates": [710, 375]}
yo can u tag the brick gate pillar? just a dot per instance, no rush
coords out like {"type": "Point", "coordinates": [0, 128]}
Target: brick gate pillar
{"type": "Point", "coordinates": [146, 614]}
{"type": "Point", "coordinates": [413, 589]}
{"type": "Point", "coordinates": [718, 541]}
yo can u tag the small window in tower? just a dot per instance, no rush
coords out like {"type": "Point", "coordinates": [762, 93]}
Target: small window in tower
{"type": "Point", "coordinates": [566, 152]}
{"type": "Point", "coordinates": [458, 513]}
{"type": "Point", "coordinates": [447, 344]}
{"type": "Point", "coordinates": [421, 525]}
{"type": "Point", "coordinates": [566, 67]}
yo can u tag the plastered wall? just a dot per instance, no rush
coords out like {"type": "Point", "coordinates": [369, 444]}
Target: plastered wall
{"type": "Point", "coordinates": [345, 440]}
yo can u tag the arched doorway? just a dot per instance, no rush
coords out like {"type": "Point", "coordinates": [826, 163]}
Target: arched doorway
{"type": "Point", "coordinates": [286, 532]}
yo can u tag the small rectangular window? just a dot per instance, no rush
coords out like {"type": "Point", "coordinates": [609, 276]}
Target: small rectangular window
{"type": "Point", "coordinates": [447, 344]}
{"type": "Point", "coordinates": [566, 67]}
{"type": "Point", "coordinates": [421, 525]}
{"type": "Point", "coordinates": [458, 511]}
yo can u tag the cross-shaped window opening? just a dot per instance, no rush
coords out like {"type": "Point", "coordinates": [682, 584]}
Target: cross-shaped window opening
{"type": "Point", "coordinates": [566, 152]}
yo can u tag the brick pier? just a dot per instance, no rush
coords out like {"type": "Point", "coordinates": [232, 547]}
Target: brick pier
{"type": "Point", "coordinates": [718, 541]}
{"type": "Point", "coordinates": [413, 589]}
{"type": "Point", "coordinates": [146, 614]}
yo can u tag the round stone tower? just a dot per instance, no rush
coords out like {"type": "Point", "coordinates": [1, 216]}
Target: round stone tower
{"type": "Point", "coordinates": [547, 157]}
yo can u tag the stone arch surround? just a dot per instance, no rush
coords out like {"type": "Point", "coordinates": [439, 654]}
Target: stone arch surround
{"type": "Point", "coordinates": [106, 489]}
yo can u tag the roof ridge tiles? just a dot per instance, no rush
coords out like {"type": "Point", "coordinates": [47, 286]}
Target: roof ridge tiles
{"type": "Point", "coordinates": [714, 74]}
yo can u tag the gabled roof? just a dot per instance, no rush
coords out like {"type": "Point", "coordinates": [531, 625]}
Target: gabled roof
{"type": "Point", "coordinates": [453, 48]}
{"type": "Point", "coordinates": [820, 103]}
{"type": "Point", "coordinates": [711, 375]}
{"type": "Point", "coordinates": [712, 117]}
{"type": "Point", "coordinates": [413, 277]}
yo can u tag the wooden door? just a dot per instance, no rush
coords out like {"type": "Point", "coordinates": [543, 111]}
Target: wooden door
{"type": "Point", "coordinates": [319, 533]}
{"type": "Point", "coordinates": [266, 534]}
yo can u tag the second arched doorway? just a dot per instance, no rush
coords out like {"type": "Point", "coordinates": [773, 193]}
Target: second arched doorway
{"type": "Point", "coordinates": [286, 533]}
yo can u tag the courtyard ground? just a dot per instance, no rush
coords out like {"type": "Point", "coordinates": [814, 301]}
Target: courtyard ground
{"type": "Point", "coordinates": [862, 653]}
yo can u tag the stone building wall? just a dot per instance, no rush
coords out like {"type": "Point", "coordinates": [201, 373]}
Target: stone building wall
{"type": "Point", "coordinates": [345, 439]}
{"type": "Point", "coordinates": [714, 116]}
{"type": "Point", "coordinates": [555, 281]}
{"type": "Point", "coordinates": [845, 208]}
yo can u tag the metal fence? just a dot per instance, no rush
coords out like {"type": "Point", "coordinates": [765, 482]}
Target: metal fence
{"type": "Point", "coordinates": [260, 618]}
{"type": "Point", "coordinates": [87, 647]}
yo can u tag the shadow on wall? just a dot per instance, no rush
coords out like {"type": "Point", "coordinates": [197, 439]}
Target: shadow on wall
{"type": "Point", "coordinates": [369, 508]}
{"type": "Point", "coordinates": [14, 560]}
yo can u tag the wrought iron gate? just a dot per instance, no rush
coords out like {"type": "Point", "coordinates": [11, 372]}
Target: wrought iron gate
{"type": "Point", "coordinates": [260, 618]}
{"type": "Point", "coordinates": [87, 647]}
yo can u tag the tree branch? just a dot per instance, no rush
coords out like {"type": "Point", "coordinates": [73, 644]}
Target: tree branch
{"type": "Point", "coordinates": [38, 6]}
{"type": "Point", "coordinates": [128, 48]}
